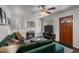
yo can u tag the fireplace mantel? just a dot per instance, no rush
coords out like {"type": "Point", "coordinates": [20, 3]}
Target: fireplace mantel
{"type": "Point", "coordinates": [30, 34]}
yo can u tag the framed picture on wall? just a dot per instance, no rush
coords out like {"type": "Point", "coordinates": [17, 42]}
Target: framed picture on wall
{"type": "Point", "coordinates": [2, 16]}
{"type": "Point", "coordinates": [30, 24]}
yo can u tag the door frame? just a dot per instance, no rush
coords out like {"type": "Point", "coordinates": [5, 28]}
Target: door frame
{"type": "Point", "coordinates": [72, 28]}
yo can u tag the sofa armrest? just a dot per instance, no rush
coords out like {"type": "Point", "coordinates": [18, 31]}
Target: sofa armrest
{"type": "Point", "coordinates": [4, 42]}
{"type": "Point", "coordinates": [42, 49]}
{"type": "Point", "coordinates": [59, 48]}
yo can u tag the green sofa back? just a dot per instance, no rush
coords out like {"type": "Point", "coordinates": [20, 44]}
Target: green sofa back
{"type": "Point", "coordinates": [4, 42]}
{"type": "Point", "coordinates": [25, 48]}
{"type": "Point", "coordinates": [44, 43]}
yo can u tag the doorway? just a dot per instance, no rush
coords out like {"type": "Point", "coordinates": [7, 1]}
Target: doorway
{"type": "Point", "coordinates": [66, 30]}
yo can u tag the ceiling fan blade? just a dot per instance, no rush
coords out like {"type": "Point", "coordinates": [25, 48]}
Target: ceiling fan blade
{"type": "Point", "coordinates": [49, 12]}
{"type": "Point", "coordinates": [51, 8]}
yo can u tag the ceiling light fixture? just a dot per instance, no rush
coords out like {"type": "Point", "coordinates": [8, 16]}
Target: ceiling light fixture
{"type": "Point", "coordinates": [44, 14]}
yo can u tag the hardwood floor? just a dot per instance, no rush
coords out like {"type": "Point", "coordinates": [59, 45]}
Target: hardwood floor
{"type": "Point", "coordinates": [76, 50]}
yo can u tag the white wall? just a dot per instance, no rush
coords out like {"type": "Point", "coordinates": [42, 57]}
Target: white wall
{"type": "Point", "coordinates": [19, 17]}
{"type": "Point", "coordinates": [4, 29]}
{"type": "Point", "coordinates": [22, 19]}
{"type": "Point", "coordinates": [75, 13]}
{"type": "Point", "coordinates": [25, 29]}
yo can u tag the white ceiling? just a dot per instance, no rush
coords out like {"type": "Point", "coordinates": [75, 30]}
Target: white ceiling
{"type": "Point", "coordinates": [27, 10]}
{"type": "Point", "coordinates": [20, 10]}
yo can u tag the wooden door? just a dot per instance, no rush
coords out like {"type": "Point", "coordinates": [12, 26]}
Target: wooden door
{"type": "Point", "coordinates": [66, 30]}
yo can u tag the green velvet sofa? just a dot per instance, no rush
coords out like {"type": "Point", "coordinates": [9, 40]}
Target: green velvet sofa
{"type": "Point", "coordinates": [50, 48]}
{"type": "Point", "coordinates": [4, 42]}
{"type": "Point", "coordinates": [34, 45]}
{"type": "Point", "coordinates": [42, 47]}
{"type": "Point", "coordinates": [46, 46]}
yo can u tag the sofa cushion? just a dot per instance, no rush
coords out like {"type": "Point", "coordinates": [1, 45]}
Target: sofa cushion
{"type": "Point", "coordinates": [41, 43]}
{"type": "Point", "coordinates": [13, 36]}
{"type": "Point", "coordinates": [25, 48]}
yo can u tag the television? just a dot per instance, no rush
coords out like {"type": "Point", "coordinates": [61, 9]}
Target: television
{"type": "Point", "coordinates": [48, 29]}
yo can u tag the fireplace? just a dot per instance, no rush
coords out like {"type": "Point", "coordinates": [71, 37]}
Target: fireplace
{"type": "Point", "coordinates": [30, 34]}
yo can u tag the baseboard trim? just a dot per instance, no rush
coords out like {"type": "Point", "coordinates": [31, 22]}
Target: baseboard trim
{"type": "Point", "coordinates": [76, 47]}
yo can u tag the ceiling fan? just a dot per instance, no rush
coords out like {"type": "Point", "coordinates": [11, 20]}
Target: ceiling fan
{"type": "Point", "coordinates": [44, 10]}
